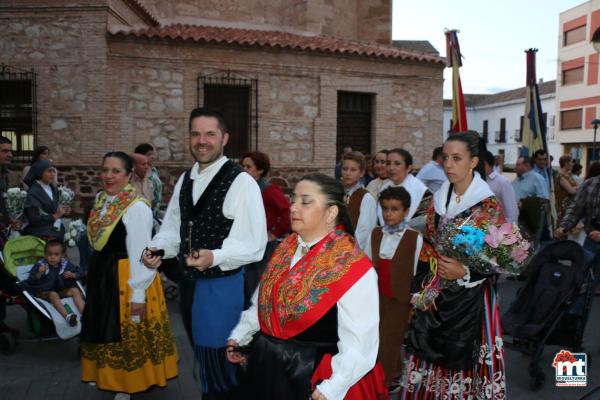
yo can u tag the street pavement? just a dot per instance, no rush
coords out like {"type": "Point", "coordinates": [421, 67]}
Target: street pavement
{"type": "Point", "coordinates": [49, 369]}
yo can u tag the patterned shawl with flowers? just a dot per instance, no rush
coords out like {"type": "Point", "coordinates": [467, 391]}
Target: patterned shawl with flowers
{"type": "Point", "coordinates": [293, 299]}
{"type": "Point", "coordinates": [100, 226]}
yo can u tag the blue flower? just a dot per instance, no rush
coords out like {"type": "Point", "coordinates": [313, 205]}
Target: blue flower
{"type": "Point", "coordinates": [470, 239]}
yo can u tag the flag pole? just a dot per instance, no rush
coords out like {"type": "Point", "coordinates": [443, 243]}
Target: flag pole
{"type": "Point", "coordinates": [534, 129]}
{"type": "Point", "coordinates": [454, 61]}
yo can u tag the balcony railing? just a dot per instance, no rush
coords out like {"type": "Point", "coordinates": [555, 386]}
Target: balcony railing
{"type": "Point", "coordinates": [500, 136]}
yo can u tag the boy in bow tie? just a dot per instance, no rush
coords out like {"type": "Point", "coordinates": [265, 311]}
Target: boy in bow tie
{"type": "Point", "coordinates": [394, 250]}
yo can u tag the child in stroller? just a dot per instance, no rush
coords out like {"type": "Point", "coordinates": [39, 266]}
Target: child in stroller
{"type": "Point", "coordinates": [19, 255]}
{"type": "Point", "coordinates": [53, 277]}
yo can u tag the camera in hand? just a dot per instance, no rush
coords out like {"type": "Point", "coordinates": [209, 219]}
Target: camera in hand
{"type": "Point", "coordinates": [243, 350]}
{"type": "Point", "coordinates": [156, 253]}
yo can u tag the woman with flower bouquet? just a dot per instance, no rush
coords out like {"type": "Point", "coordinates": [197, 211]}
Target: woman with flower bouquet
{"type": "Point", "coordinates": [454, 342]}
{"type": "Point", "coordinates": [43, 207]}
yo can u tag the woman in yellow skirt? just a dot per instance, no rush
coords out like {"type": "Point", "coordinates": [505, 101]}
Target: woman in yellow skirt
{"type": "Point", "coordinates": [126, 339]}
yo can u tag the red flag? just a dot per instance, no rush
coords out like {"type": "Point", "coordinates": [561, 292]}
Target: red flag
{"type": "Point", "coordinates": [453, 59]}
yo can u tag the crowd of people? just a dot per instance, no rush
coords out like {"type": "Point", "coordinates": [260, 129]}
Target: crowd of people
{"type": "Point", "coordinates": [343, 290]}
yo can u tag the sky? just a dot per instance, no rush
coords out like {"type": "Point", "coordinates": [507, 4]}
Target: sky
{"type": "Point", "coordinates": [493, 37]}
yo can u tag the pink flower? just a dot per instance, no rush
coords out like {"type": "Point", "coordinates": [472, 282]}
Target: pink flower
{"type": "Point", "coordinates": [494, 237]}
{"type": "Point", "coordinates": [519, 253]}
{"type": "Point", "coordinates": [509, 235]}
{"type": "Point", "coordinates": [500, 236]}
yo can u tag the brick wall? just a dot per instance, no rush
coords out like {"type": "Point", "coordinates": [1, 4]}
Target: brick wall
{"type": "Point", "coordinates": [98, 93]}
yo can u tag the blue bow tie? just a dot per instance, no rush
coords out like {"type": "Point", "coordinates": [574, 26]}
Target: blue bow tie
{"type": "Point", "coordinates": [392, 230]}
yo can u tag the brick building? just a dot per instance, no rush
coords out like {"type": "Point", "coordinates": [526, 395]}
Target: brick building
{"type": "Point", "coordinates": [296, 79]}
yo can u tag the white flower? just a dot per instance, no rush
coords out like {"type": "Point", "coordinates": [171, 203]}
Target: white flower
{"type": "Point", "coordinates": [499, 343]}
{"type": "Point", "coordinates": [497, 387]}
{"type": "Point", "coordinates": [415, 377]}
{"type": "Point", "coordinates": [71, 243]}
{"type": "Point", "coordinates": [454, 388]}
{"type": "Point", "coordinates": [488, 391]}
{"type": "Point", "coordinates": [65, 195]}
{"type": "Point", "coordinates": [15, 202]}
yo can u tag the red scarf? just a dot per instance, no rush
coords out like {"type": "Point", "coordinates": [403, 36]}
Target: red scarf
{"type": "Point", "coordinates": [292, 300]}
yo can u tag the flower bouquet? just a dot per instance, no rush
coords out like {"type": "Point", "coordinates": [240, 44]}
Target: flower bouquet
{"type": "Point", "coordinates": [65, 196]}
{"type": "Point", "coordinates": [14, 200]}
{"type": "Point", "coordinates": [485, 249]}
{"type": "Point", "coordinates": [76, 229]}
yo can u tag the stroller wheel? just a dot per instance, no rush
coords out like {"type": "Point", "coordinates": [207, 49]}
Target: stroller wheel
{"type": "Point", "coordinates": [8, 343]}
{"type": "Point", "coordinates": [537, 379]}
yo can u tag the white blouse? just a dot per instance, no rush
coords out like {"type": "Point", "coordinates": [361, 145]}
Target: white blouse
{"type": "Point", "coordinates": [366, 221]}
{"type": "Point", "coordinates": [243, 203]}
{"type": "Point", "coordinates": [358, 333]}
{"type": "Point", "coordinates": [138, 223]}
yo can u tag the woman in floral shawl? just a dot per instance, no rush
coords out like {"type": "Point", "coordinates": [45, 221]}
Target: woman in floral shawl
{"type": "Point", "coordinates": [454, 343]}
{"type": "Point", "coordinates": [315, 316]}
{"type": "Point", "coordinates": [127, 343]}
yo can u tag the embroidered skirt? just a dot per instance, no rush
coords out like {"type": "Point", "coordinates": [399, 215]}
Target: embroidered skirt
{"type": "Point", "coordinates": [422, 379]}
{"type": "Point", "coordinates": [144, 356]}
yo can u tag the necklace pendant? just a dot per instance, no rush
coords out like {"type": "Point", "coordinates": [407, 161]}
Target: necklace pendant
{"type": "Point", "coordinates": [457, 199]}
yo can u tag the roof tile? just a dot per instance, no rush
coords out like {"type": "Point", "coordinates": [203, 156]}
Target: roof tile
{"type": "Point", "coordinates": [277, 39]}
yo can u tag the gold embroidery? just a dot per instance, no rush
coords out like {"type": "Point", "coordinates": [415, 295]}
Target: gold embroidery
{"type": "Point", "coordinates": [150, 340]}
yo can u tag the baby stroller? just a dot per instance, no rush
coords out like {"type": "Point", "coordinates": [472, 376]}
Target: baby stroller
{"type": "Point", "coordinates": [19, 256]}
{"type": "Point", "coordinates": [552, 306]}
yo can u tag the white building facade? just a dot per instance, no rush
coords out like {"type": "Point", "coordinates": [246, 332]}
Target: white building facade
{"type": "Point", "coordinates": [498, 117]}
{"type": "Point", "coordinates": [577, 85]}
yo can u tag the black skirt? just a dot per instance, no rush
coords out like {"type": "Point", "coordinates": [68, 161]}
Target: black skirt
{"type": "Point", "coordinates": [450, 334]}
{"type": "Point", "coordinates": [280, 369]}
{"type": "Point", "coordinates": [100, 320]}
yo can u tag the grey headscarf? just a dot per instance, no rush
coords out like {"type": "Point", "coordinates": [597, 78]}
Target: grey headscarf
{"type": "Point", "coordinates": [36, 171]}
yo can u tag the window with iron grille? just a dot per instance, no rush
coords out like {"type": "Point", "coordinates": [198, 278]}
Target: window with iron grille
{"type": "Point", "coordinates": [236, 97]}
{"type": "Point", "coordinates": [354, 114]}
{"type": "Point", "coordinates": [18, 110]}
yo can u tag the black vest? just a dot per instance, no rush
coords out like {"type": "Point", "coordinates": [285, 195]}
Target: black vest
{"type": "Point", "coordinates": [203, 225]}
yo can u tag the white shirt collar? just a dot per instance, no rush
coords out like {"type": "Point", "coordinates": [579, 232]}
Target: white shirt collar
{"type": "Point", "coordinates": [350, 191]}
{"type": "Point", "coordinates": [493, 175]}
{"type": "Point", "coordinates": [211, 169]}
{"type": "Point", "coordinates": [301, 242]}
{"type": "Point", "coordinates": [42, 184]}
{"type": "Point", "coordinates": [477, 191]}
{"type": "Point", "coordinates": [47, 189]}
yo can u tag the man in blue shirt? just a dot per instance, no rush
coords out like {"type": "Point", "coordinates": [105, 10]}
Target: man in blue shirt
{"type": "Point", "coordinates": [528, 183]}
{"type": "Point", "coordinates": [541, 166]}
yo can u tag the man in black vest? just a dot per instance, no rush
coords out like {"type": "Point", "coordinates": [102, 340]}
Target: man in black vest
{"type": "Point", "coordinates": [215, 223]}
